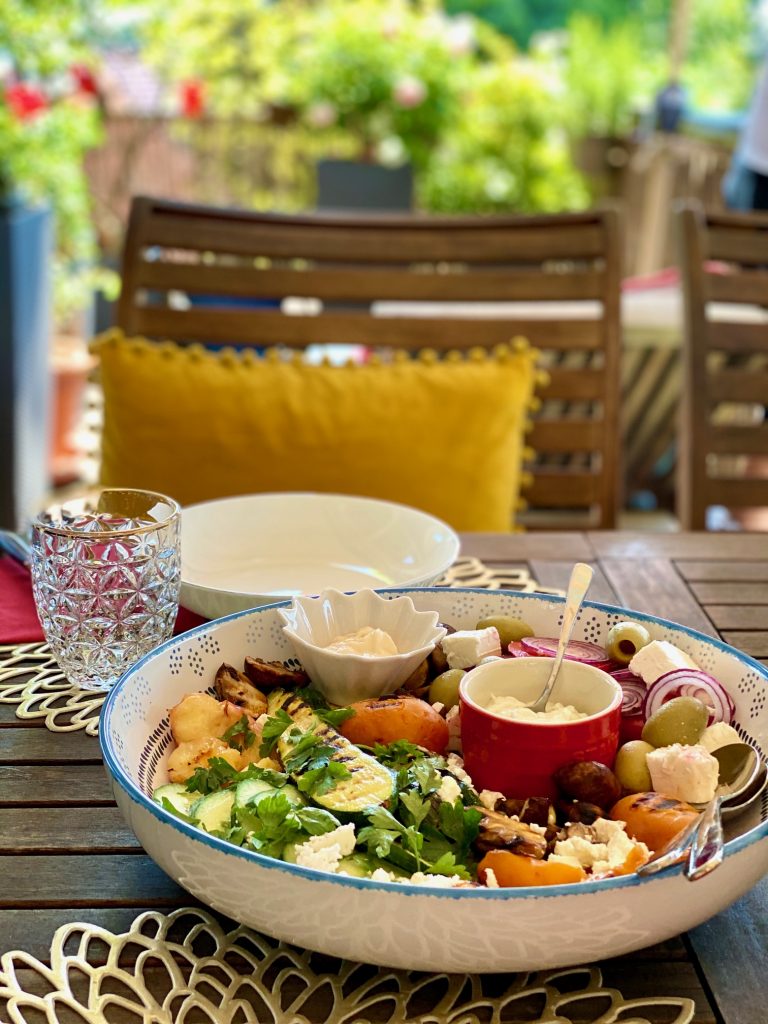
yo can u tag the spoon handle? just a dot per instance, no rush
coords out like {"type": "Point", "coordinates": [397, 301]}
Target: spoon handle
{"type": "Point", "coordinates": [673, 852]}
{"type": "Point", "coordinates": [581, 577]}
{"type": "Point", "coordinates": [707, 846]}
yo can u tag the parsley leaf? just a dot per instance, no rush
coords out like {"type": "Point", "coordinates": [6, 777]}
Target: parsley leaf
{"type": "Point", "coordinates": [168, 806]}
{"type": "Point", "coordinates": [316, 821]}
{"type": "Point", "coordinates": [426, 776]}
{"type": "Point", "coordinates": [240, 736]}
{"type": "Point", "coordinates": [416, 807]}
{"type": "Point", "coordinates": [274, 727]}
{"type": "Point", "coordinates": [218, 775]}
{"type": "Point", "coordinates": [331, 716]}
{"type": "Point", "coordinates": [447, 865]}
{"type": "Point", "coordinates": [399, 754]}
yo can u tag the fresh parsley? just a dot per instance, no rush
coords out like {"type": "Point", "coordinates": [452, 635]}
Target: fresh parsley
{"type": "Point", "coordinates": [310, 763]}
{"type": "Point", "coordinates": [218, 775]}
{"type": "Point", "coordinates": [240, 735]}
{"type": "Point", "coordinates": [331, 716]}
{"type": "Point", "coordinates": [273, 821]}
{"type": "Point", "coordinates": [274, 727]}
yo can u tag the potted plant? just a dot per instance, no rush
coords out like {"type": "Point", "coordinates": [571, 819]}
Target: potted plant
{"type": "Point", "coordinates": [48, 118]}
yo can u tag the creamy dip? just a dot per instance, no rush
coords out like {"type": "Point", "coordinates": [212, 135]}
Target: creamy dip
{"type": "Point", "coordinates": [511, 707]}
{"type": "Point", "coordinates": [367, 641]}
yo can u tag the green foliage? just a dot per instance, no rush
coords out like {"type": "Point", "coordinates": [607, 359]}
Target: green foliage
{"type": "Point", "coordinates": [720, 72]}
{"type": "Point", "coordinates": [42, 151]}
{"type": "Point", "coordinates": [608, 76]}
{"type": "Point", "coordinates": [507, 150]}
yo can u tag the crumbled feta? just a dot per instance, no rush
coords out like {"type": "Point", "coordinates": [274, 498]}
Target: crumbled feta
{"type": "Point", "coordinates": [537, 828]}
{"type": "Point", "coordinates": [453, 721]}
{"type": "Point", "coordinates": [603, 849]}
{"type": "Point", "coordinates": [382, 875]}
{"type": "Point", "coordinates": [657, 658]}
{"type": "Point", "coordinates": [325, 851]}
{"type": "Point", "coordinates": [491, 882]}
{"type": "Point", "coordinates": [605, 828]}
{"type": "Point", "coordinates": [683, 772]}
{"type": "Point", "coordinates": [449, 791]}
{"type": "Point", "coordinates": [467, 647]}
{"type": "Point", "coordinates": [456, 767]}
{"type": "Point", "coordinates": [489, 798]}
{"type": "Point", "coordinates": [438, 881]}
{"type": "Point", "coordinates": [718, 735]}
{"type": "Point", "coordinates": [438, 707]}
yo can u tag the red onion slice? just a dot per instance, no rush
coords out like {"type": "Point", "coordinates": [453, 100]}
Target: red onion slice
{"type": "Point", "coordinates": [577, 650]}
{"type": "Point", "coordinates": [515, 649]}
{"type": "Point", "coordinates": [690, 682]}
{"type": "Point", "coordinates": [634, 690]}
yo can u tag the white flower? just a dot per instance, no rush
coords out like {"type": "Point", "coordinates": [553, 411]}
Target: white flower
{"type": "Point", "coordinates": [409, 92]}
{"type": "Point", "coordinates": [322, 114]}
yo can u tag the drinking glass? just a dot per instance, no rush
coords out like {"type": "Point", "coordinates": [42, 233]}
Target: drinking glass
{"type": "Point", "coordinates": [106, 577]}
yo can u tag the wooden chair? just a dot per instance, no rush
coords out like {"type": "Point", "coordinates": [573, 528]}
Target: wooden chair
{"type": "Point", "coordinates": [409, 282]}
{"type": "Point", "coordinates": [723, 444]}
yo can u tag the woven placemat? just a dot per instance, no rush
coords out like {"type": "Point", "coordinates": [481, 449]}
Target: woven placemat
{"type": "Point", "coordinates": [31, 679]}
{"type": "Point", "coordinates": [184, 967]}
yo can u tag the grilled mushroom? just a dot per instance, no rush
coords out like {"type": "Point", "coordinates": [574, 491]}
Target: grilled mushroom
{"type": "Point", "coordinates": [271, 675]}
{"type": "Point", "coordinates": [499, 832]}
{"type": "Point", "coordinates": [237, 688]}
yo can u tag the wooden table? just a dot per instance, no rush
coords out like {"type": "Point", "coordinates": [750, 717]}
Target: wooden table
{"type": "Point", "coordinates": [66, 855]}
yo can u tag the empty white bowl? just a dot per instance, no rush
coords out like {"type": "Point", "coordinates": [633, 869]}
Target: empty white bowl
{"type": "Point", "coordinates": [312, 623]}
{"type": "Point", "coordinates": [237, 553]}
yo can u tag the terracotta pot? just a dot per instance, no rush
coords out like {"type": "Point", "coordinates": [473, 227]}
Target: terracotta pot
{"type": "Point", "coordinates": [70, 365]}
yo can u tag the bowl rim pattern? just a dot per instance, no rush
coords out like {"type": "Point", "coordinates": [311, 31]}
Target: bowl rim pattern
{"type": "Point", "coordinates": [588, 888]}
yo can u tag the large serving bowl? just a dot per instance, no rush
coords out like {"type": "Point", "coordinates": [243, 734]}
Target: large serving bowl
{"type": "Point", "coordinates": [255, 549]}
{"type": "Point", "coordinates": [406, 925]}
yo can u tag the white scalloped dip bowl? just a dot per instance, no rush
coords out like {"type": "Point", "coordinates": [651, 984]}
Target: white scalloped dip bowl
{"type": "Point", "coordinates": [405, 925]}
{"type": "Point", "coordinates": [311, 623]}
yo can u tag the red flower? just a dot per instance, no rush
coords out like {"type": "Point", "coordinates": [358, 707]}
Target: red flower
{"type": "Point", "coordinates": [84, 79]}
{"type": "Point", "coordinates": [192, 97]}
{"type": "Point", "coordinates": [25, 101]}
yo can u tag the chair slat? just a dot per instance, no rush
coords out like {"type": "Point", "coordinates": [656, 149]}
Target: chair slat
{"type": "Point", "coordinates": [744, 492]}
{"type": "Point", "coordinates": [737, 337]}
{"type": "Point", "coordinates": [738, 243]}
{"type": "Point", "coordinates": [462, 284]}
{"type": "Point", "coordinates": [749, 286]}
{"type": "Point", "coordinates": [728, 440]}
{"type": "Point", "coordinates": [566, 435]}
{"type": "Point", "coordinates": [556, 488]}
{"type": "Point", "coordinates": [738, 386]}
{"type": "Point", "coordinates": [577, 385]}
{"type": "Point", "coordinates": [260, 327]}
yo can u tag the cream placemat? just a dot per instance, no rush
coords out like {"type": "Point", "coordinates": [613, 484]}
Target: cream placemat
{"type": "Point", "coordinates": [184, 968]}
{"type": "Point", "coordinates": [31, 679]}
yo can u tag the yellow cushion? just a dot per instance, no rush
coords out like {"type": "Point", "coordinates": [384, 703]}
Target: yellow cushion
{"type": "Point", "coordinates": [443, 435]}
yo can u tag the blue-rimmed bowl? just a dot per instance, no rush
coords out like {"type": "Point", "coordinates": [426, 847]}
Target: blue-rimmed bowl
{"type": "Point", "coordinates": [405, 925]}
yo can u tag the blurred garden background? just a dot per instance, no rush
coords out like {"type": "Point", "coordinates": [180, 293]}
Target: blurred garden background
{"type": "Point", "coordinates": [450, 106]}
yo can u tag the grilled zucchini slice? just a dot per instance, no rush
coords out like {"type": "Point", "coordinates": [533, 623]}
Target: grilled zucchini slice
{"type": "Point", "coordinates": [369, 783]}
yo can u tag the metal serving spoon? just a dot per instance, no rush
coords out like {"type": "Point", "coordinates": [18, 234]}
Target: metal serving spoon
{"type": "Point", "coordinates": [741, 779]}
{"type": "Point", "coordinates": [740, 765]}
{"type": "Point", "coordinates": [581, 577]}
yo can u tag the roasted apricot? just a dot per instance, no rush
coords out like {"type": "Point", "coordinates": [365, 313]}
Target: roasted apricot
{"type": "Point", "coordinates": [514, 869]}
{"type": "Point", "coordinates": [386, 719]}
{"type": "Point", "coordinates": [653, 819]}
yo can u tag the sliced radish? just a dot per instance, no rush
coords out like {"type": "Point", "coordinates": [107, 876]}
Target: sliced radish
{"type": "Point", "coordinates": [577, 650]}
{"type": "Point", "coordinates": [691, 682]}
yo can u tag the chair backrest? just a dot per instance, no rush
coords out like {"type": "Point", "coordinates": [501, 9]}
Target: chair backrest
{"type": "Point", "coordinates": [199, 274]}
{"type": "Point", "coordinates": [723, 435]}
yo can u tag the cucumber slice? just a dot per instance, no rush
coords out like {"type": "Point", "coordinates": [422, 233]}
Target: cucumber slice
{"type": "Point", "coordinates": [296, 797]}
{"type": "Point", "coordinates": [214, 812]}
{"type": "Point", "coordinates": [177, 795]}
{"type": "Point", "coordinates": [249, 788]}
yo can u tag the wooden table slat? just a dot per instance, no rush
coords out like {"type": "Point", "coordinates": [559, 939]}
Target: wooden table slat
{"type": "Point", "coordinates": [76, 829]}
{"type": "Point", "coordinates": [36, 745]}
{"type": "Point", "coordinates": [652, 585]}
{"type": "Point", "coordinates": [76, 881]}
{"type": "Point", "coordinates": [744, 592]}
{"type": "Point", "coordinates": [42, 785]}
{"type": "Point", "coordinates": [727, 570]}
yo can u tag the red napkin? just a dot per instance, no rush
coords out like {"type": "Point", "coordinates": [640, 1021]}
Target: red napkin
{"type": "Point", "coordinates": [18, 619]}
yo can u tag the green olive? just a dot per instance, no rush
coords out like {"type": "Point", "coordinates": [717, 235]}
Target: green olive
{"type": "Point", "coordinates": [508, 628]}
{"type": "Point", "coordinates": [625, 639]}
{"type": "Point", "coordinates": [680, 720]}
{"type": "Point", "coordinates": [444, 689]}
{"type": "Point", "coordinates": [631, 768]}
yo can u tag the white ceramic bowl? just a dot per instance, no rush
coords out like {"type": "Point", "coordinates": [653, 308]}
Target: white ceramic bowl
{"type": "Point", "coordinates": [406, 925]}
{"type": "Point", "coordinates": [242, 552]}
{"type": "Point", "coordinates": [311, 623]}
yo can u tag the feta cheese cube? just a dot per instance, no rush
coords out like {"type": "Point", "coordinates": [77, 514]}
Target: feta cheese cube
{"type": "Point", "coordinates": [449, 791]}
{"type": "Point", "coordinates": [491, 881]}
{"type": "Point", "coordinates": [683, 772]}
{"type": "Point", "coordinates": [467, 647]}
{"type": "Point", "coordinates": [657, 658]}
{"type": "Point", "coordinates": [718, 735]}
